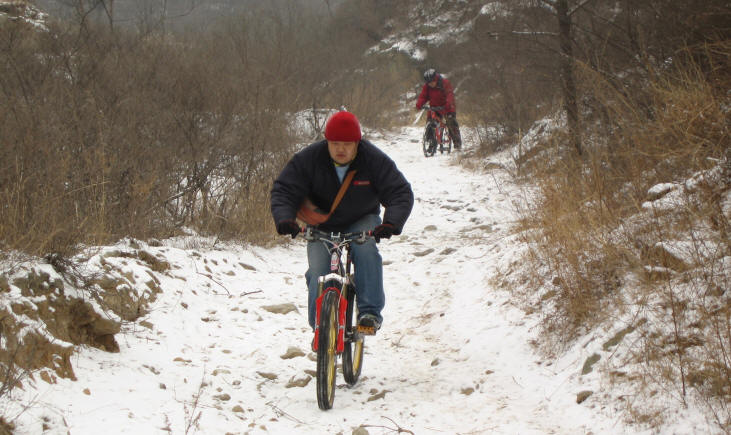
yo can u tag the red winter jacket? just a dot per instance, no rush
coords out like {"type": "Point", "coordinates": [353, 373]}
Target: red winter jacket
{"type": "Point", "coordinates": [440, 95]}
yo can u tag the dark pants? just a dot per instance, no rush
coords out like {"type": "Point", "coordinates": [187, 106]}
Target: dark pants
{"type": "Point", "coordinates": [453, 128]}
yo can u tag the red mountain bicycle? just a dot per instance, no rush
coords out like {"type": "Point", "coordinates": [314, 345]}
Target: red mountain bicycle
{"type": "Point", "coordinates": [436, 133]}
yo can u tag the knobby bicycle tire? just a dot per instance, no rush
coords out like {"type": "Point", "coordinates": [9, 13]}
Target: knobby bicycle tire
{"type": "Point", "coordinates": [326, 355]}
{"type": "Point", "coordinates": [429, 141]}
{"type": "Point", "coordinates": [446, 142]}
{"type": "Point", "coordinates": [353, 351]}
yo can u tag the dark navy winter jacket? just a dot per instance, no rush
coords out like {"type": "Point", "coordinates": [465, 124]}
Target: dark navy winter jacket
{"type": "Point", "coordinates": [311, 173]}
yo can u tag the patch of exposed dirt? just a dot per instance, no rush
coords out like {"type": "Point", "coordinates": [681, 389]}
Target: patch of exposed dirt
{"type": "Point", "coordinates": [43, 317]}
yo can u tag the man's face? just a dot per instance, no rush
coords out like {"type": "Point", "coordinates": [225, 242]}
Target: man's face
{"type": "Point", "coordinates": [433, 83]}
{"type": "Point", "coordinates": [342, 152]}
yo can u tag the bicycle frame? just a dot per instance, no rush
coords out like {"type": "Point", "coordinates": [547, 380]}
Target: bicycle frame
{"type": "Point", "coordinates": [338, 246]}
{"type": "Point", "coordinates": [436, 127]}
{"type": "Point", "coordinates": [439, 126]}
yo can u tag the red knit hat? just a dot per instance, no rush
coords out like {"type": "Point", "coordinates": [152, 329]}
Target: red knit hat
{"type": "Point", "coordinates": [343, 127]}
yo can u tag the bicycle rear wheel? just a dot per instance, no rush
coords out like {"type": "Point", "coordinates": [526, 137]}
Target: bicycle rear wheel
{"type": "Point", "coordinates": [353, 352]}
{"type": "Point", "coordinates": [326, 355]}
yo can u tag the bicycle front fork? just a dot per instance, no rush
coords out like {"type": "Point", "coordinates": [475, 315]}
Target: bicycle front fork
{"type": "Point", "coordinates": [342, 309]}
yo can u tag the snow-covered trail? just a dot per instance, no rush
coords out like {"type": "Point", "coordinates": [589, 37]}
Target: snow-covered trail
{"type": "Point", "coordinates": [455, 354]}
{"type": "Point", "coordinates": [225, 348]}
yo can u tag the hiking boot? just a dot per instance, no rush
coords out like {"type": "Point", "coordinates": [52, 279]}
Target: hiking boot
{"type": "Point", "coordinates": [368, 324]}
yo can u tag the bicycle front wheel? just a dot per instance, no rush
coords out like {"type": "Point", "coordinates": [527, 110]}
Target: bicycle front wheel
{"type": "Point", "coordinates": [429, 141]}
{"type": "Point", "coordinates": [353, 352]}
{"type": "Point", "coordinates": [446, 141]}
{"type": "Point", "coordinates": [326, 347]}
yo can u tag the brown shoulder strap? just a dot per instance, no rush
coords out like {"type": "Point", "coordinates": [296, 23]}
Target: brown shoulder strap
{"type": "Point", "coordinates": [343, 187]}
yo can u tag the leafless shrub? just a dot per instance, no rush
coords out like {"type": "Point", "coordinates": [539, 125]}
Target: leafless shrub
{"type": "Point", "coordinates": [610, 246]}
{"type": "Point", "coordinates": [111, 132]}
{"type": "Point", "coordinates": [114, 134]}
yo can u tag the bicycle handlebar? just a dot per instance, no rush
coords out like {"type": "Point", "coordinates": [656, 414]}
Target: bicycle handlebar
{"type": "Point", "coordinates": [313, 234]}
{"type": "Point", "coordinates": [435, 108]}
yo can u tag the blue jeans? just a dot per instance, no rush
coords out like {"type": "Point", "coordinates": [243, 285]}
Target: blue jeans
{"type": "Point", "coordinates": [368, 271]}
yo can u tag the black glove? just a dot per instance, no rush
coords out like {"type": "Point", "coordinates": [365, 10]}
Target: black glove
{"type": "Point", "coordinates": [383, 231]}
{"type": "Point", "coordinates": [288, 227]}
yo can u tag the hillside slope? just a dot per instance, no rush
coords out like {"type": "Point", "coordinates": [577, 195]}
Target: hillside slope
{"type": "Point", "coordinates": [224, 345]}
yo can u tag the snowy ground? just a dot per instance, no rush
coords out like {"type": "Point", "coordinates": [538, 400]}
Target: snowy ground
{"type": "Point", "coordinates": [215, 357]}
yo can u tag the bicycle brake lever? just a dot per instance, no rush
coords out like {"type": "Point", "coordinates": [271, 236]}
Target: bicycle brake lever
{"type": "Point", "coordinates": [364, 235]}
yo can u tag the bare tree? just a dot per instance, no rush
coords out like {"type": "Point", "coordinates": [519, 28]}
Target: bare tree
{"type": "Point", "coordinates": [568, 82]}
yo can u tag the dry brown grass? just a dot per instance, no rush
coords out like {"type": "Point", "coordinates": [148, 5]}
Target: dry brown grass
{"type": "Point", "coordinates": [107, 135]}
{"type": "Point", "coordinates": [611, 249]}
{"type": "Point", "coordinates": [111, 135]}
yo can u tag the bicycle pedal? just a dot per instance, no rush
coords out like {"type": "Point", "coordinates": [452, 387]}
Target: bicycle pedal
{"type": "Point", "coordinates": [366, 330]}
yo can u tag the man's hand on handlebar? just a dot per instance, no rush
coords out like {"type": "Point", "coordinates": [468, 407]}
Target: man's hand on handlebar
{"type": "Point", "coordinates": [383, 231]}
{"type": "Point", "coordinates": [288, 226]}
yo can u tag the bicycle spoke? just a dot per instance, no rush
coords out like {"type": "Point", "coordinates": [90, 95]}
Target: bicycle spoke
{"type": "Point", "coordinates": [353, 352]}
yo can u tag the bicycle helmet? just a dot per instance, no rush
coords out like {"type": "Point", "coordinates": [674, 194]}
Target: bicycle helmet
{"type": "Point", "coordinates": [430, 74]}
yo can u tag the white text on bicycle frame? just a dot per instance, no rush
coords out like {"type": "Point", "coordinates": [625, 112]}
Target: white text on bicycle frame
{"type": "Point", "coordinates": [334, 261]}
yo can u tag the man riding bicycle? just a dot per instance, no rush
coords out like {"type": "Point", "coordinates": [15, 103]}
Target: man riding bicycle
{"type": "Point", "coordinates": [316, 173]}
{"type": "Point", "coordinates": [437, 90]}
